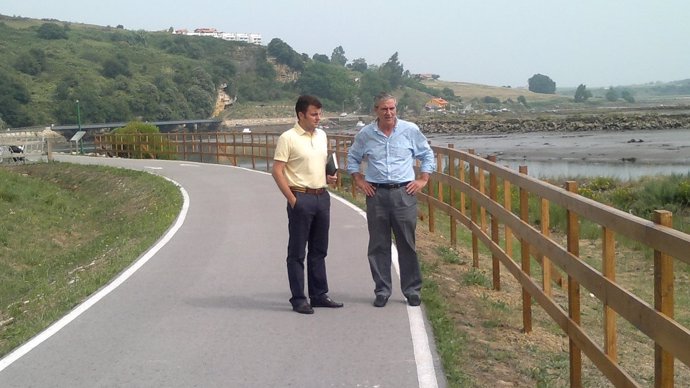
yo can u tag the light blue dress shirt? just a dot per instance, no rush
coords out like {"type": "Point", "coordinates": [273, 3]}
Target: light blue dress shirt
{"type": "Point", "coordinates": [390, 159]}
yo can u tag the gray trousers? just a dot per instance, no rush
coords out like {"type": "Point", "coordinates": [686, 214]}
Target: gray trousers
{"type": "Point", "coordinates": [393, 210]}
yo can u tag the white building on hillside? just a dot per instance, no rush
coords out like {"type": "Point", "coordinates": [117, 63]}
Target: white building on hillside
{"type": "Point", "coordinates": [253, 38]}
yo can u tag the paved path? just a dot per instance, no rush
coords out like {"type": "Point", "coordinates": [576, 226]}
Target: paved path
{"type": "Point", "coordinates": [208, 305]}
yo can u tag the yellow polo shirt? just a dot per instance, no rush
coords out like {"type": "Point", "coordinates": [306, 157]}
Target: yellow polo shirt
{"type": "Point", "coordinates": [305, 156]}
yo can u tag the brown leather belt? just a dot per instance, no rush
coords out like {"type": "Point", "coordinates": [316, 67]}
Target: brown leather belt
{"type": "Point", "coordinates": [307, 190]}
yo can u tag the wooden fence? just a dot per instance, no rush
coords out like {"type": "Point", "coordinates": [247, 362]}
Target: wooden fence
{"type": "Point", "coordinates": [493, 202]}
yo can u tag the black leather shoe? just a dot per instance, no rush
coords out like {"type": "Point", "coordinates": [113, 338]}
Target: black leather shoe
{"type": "Point", "coordinates": [380, 301]}
{"type": "Point", "coordinates": [325, 301]}
{"type": "Point", "coordinates": [414, 300]}
{"type": "Point", "coordinates": [303, 308]}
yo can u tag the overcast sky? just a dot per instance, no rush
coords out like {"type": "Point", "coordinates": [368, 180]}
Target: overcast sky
{"type": "Point", "coordinates": [501, 42]}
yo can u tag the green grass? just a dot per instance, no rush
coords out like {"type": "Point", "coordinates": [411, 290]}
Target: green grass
{"type": "Point", "coordinates": [67, 231]}
{"type": "Point", "coordinates": [449, 255]}
{"type": "Point", "coordinates": [475, 277]}
{"type": "Point", "coordinates": [451, 343]}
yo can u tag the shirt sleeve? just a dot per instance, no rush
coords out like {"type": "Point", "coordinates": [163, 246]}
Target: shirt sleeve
{"type": "Point", "coordinates": [282, 152]}
{"type": "Point", "coordinates": [355, 154]}
{"type": "Point", "coordinates": [424, 153]}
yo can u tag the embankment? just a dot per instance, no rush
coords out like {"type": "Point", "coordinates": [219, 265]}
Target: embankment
{"type": "Point", "coordinates": [553, 123]}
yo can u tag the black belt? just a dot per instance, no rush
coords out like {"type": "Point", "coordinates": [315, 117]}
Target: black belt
{"type": "Point", "coordinates": [307, 190]}
{"type": "Point", "coordinates": [389, 185]}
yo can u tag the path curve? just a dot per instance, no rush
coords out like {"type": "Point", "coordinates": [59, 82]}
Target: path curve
{"type": "Point", "coordinates": [209, 307]}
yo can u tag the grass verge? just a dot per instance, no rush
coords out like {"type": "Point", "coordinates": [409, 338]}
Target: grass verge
{"type": "Point", "coordinates": [67, 231]}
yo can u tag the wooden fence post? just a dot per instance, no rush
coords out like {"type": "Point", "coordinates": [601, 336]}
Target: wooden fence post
{"type": "Point", "coordinates": [473, 215]}
{"type": "Point", "coordinates": [268, 159]}
{"type": "Point", "coordinates": [545, 261]}
{"type": "Point", "coordinates": [453, 222]}
{"type": "Point", "coordinates": [573, 243]}
{"type": "Point", "coordinates": [461, 177]}
{"type": "Point", "coordinates": [525, 257]}
{"type": "Point", "coordinates": [508, 205]}
{"type": "Point", "coordinates": [251, 149]}
{"type": "Point", "coordinates": [49, 148]}
{"type": "Point", "coordinates": [430, 206]}
{"type": "Point", "coordinates": [608, 247]}
{"type": "Point", "coordinates": [482, 189]}
{"type": "Point", "coordinates": [493, 194]}
{"type": "Point", "coordinates": [664, 303]}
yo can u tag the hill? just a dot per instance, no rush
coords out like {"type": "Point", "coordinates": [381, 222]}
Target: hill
{"type": "Point", "coordinates": [54, 72]}
{"type": "Point", "coordinates": [116, 74]}
{"type": "Point", "coordinates": [469, 91]}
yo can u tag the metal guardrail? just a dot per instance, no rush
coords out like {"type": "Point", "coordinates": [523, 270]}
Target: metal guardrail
{"type": "Point", "coordinates": [20, 149]}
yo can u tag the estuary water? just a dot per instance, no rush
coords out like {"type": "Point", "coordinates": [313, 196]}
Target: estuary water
{"type": "Point", "coordinates": [624, 155]}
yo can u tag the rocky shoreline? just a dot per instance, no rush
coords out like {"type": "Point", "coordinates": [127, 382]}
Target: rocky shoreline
{"type": "Point", "coordinates": [576, 123]}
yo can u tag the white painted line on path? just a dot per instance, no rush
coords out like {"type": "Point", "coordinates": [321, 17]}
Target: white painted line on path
{"type": "Point", "coordinates": [64, 321]}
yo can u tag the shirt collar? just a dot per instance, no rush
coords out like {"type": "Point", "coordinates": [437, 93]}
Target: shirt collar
{"type": "Point", "coordinates": [299, 129]}
{"type": "Point", "coordinates": [394, 127]}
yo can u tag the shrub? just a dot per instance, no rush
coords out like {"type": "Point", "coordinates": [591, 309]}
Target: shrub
{"type": "Point", "coordinates": [51, 31]}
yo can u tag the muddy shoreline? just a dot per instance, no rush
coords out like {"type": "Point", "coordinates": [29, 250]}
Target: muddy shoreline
{"type": "Point", "coordinates": [648, 138]}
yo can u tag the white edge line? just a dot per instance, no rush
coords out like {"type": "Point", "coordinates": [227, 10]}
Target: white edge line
{"type": "Point", "coordinates": [72, 315]}
{"type": "Point", "coordinates": [426, 373]}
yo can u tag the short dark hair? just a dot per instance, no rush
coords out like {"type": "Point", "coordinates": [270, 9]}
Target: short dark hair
{"type": "Point", "coordinates": [303, 103]}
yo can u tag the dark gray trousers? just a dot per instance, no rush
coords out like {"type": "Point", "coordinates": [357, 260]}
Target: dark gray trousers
{"type": "Point", "coordinates": [393, 210]}
{"type": "Point", "coordinates": [308, 224]}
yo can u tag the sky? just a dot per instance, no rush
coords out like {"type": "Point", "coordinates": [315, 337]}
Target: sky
{"type": "Point", "coordinates": [598, 43]}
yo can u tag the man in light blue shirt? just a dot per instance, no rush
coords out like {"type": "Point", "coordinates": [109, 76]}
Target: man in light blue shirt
{"type": "Point", "coordinates": [390, 146]}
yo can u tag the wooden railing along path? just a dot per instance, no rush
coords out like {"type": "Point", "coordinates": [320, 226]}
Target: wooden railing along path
{"type": "Point", "coordinates": [493, 203]}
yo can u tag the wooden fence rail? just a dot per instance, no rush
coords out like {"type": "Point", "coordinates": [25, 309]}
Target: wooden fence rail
{"type": "Point", "coordinates": [498, 221]}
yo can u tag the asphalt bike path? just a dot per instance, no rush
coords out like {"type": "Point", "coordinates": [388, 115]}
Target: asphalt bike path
{"type": "Point", "coordinates": [207, 305]}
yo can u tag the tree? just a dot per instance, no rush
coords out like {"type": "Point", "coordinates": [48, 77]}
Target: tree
{"type": "Point", "coordinates": [392, 71]}
{"type": "Point", "coordinates": [32, 62]}
{"type": "Point", "coordinates": [491, 100]}
{"type": "Point", "coordinates": [448, 94]}
{"type": "Point", "coordinates": [13, 98]}
{"type": "Point", "coordinates": [330, 82]}
{"type": "Point", "coordinates": [627, 96]}
{"type": "Point", "coordinates": [522, 100]}
{"type": "Point", "coordinates": [408, 103]}
{"type": "Point", "coordinates": [142, 147]}
{"type": "Point", "coordinates": [51, 31]}
{"type": "Point", "coordinates": [612, 94]}
{"type": "Point", "coordinates": [119, 65]}
{"type": "Point", "coordinates": [137, 127]}
{"type": "Point", "coordinates": [582, 94]}
{"type": "Point", "coordinates": [370, 84]}
{"type": "Point", "coordinates": [321, 58]}
{"type": "Point", "coordinates": [284, 54]}
{"type": "Point", "coordinates": [338, 56]}
{"type": "Point", "coordinates": [359, 65]}
{"type": "Point", "coordinates": [540, 83]}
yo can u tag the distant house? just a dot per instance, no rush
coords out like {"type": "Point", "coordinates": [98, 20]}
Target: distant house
{"type": "Point", "coordinates": [425, 76]}
{"type": "Point", "coordinates": [253, 38]}
{"type": "Point", "coordinates": [436, 104]}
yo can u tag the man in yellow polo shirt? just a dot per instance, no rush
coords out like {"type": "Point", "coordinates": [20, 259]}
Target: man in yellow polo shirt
{"type": "Point", "coordinates": [299, 169]}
